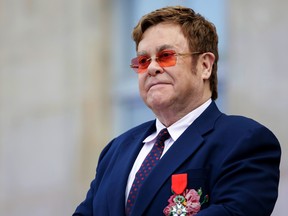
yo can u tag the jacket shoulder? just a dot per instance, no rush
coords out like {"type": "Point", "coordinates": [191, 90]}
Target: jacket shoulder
{"type": "Point", "coordinates": [115, 143]}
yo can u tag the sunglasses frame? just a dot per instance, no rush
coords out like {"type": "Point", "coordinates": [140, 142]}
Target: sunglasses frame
{"type": "Point", "coordinates": [135, 67]}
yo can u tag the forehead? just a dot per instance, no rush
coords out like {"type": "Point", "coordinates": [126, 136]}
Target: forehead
{"type": "Point", "coordinates": [163, 36]}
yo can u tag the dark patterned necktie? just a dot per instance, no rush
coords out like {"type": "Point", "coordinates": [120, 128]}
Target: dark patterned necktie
{"type": "Point", "coordinates": [150, 161]}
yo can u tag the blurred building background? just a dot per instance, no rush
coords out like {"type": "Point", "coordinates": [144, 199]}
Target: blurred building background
{"type": "Point", "coordinates": [66, 88]}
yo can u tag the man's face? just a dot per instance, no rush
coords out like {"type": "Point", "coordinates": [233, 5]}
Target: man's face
{"type": "Point", "coordinates": [178, 88]}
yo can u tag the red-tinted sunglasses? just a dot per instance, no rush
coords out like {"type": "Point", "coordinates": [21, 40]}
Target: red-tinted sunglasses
{"type": "Point", "coordinates": [165, 58]}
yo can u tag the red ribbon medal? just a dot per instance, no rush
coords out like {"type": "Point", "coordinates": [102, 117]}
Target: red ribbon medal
{"type": "Point", "coordinates": [179, 183]}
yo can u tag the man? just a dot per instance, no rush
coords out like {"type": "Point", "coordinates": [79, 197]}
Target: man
{"type": "Point", "coordinates": [208, 164]}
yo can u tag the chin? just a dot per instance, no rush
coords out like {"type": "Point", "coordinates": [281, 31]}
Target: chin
{"type": "Point", "coordinates": [157, 104]}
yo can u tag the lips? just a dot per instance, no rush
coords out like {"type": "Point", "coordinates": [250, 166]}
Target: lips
{"type": "Point", "coordinates": [155, 83]}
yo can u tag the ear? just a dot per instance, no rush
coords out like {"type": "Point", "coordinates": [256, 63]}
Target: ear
{"type": "Point", "coordinates": [207, 61]}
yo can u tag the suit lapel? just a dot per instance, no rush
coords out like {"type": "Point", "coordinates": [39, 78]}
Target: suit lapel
{"type": "Point", "coordinates": [175, 156]}
{"type": "Point", "coordinates": [125, 160]}
{"type": "Point", "coordinates": [186, 145]}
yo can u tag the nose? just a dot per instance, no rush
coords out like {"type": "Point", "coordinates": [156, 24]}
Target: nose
{"type": "Point", "coordinates": [154, 68]}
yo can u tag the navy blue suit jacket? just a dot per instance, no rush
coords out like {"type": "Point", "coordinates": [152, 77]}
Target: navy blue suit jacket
{"type": "Point", "coordinates": [235, 161]}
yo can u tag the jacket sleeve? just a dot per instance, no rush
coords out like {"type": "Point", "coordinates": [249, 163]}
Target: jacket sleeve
{"type": "Point", "coordinates": [247, 183]}
{"type": "Point", "coordinates": [86, 207]}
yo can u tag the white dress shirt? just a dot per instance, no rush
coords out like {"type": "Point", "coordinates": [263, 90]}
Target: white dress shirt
{"type": "Point", "coordinates": [175, 131]}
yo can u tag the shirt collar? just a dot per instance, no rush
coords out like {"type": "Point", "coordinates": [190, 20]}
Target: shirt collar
{"type": "Point", "coordinates": [176, 129]}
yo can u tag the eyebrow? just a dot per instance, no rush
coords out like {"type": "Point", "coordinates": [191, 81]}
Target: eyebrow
{"type": "Point", "coordinates": [158, 49]}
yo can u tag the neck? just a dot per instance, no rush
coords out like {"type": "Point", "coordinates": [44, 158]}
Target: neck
{"type": "Point", "coordinates": [171, 115]}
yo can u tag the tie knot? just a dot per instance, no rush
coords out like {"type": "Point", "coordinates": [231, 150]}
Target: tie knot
{"type": "Point", "coordinates": [163, 135]}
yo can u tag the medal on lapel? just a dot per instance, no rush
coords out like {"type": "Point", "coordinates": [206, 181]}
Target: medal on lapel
{"type": "Point", "coordinates": [183, 202]}
{"type": "Point", "coordinates": [179, 184]}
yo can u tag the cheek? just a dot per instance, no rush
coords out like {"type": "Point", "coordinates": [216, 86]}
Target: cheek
{"type": "Point", "coordinates": [185, 83]}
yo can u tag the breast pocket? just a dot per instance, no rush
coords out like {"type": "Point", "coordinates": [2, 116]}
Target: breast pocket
{"type": "Point", "coordinates": [198, 180]}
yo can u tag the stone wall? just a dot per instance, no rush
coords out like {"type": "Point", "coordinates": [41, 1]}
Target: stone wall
{"type": "Point", "coordinates": [54, 104]}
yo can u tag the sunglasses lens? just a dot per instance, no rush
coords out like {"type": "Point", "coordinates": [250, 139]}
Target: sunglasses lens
{"type": "Point", "coordinates": [140, 63]}
{"type": "Point", "coordinates": [167, 58]}
{"type": "Point", "coordinates": [143, 62]}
